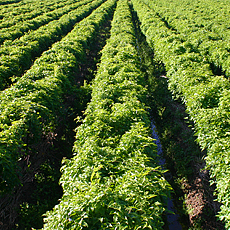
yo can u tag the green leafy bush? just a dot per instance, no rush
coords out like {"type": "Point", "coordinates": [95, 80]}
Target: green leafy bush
{"type": "Point", "coordinates": [18, 55]}
{"type": "Point", "coordinates": [205, 95]}
{"type": "Point", "coordinates": [31, 107]}
{"type": "Point", "coordinates": [114, 180]}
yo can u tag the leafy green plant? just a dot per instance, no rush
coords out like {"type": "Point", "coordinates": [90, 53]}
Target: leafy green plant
{"type": "Point", "coordinates": [18, 55]}
{"type": "Point", "coordinates": [114, 180]}
{"type": "Point", "coordinates": [30, 108]}
{"type": "Point", "coordinates": [205, 95]}
{"type": "Point", "coordinates": [17, 27]}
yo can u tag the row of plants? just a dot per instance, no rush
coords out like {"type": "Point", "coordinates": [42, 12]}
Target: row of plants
{"type": "Point", "coordinates": [9, 2]}
{"type": "Point", "coordinates": [30, 108]}
{"type": "Point", "coordinates": [13, 14]}
{"type": "Point", "coordinates": [206, 96]}
{"type": "Point", "coordinates": [18, 30]}
{"type": "Point", "coordinates": [16, 4]}
{"type": "Point", "coordinates": [42, 192]}
{"type": "Point", "coordinates": [209, 36]}
{"type": "Point", "coordinates": [182, 154]}
{"type": "Point", "coordinates": [18, 55]}
{"type": "Point", "coordinates": [210, 15]}
{"type": "Point", "coordinates": [114, 180]}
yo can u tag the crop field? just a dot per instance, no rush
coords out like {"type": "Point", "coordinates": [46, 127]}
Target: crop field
{"type": "Point", "coordinates": [82, 82]}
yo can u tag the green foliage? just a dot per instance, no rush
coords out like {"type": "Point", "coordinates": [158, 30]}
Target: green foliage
{"type": "Point", "coordinates": [31, 107]}
{"type": "Point", "coordinates": [18, 55]}
{"type": "Point", "coordinates": [16, 27]}
{"type": "Point", "coordinates": [113, 181]}
{"type": "Point", "coordinates": [42, 198]}
{"type": "Point", "coordinates": [9, 2]}
{"type": "Point", "coordinates": [205, 95]}
{"type": "Point", "coordinates": [203, 23]}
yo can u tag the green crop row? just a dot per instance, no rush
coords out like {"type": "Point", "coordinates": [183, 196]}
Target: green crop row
{"type": "Point", "coordinates": [206, 96]}
{"type": "Point", "coordinates": [31, 107]}
{"type": "Point", "coordinates": [18, 55]}
{"type": "Point", "coordinates": [209, 35]}
{"type": "Point", "coordinates": [212, 16]}
{"type": "Point", "coordinates": [8, 2]}
{"type": "Point", "coordinates": [114, 180]}
{"type": "Point", "coordinates": [13, 13]}
{"type": "Point", "coordinates": [18, 30]}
